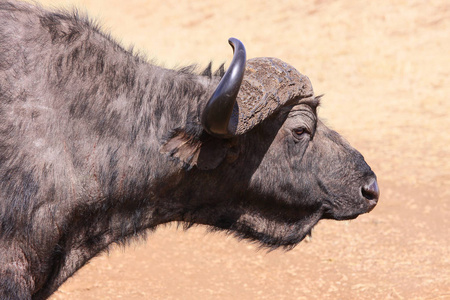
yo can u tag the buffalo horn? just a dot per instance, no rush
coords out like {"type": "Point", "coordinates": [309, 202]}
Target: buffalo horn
{"type": "Point", "coordinates": [217, 113]}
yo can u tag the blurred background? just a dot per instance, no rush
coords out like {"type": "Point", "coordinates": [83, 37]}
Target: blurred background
{"type": "Point", "coordinates": [384, 67]}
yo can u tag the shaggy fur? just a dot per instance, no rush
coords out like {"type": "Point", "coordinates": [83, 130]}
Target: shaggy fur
{"type": "Point", "coordinates": [97, 146]}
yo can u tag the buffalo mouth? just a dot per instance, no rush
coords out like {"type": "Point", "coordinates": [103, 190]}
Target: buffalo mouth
{"type": "Point", "coordinates": [332, 216]}
{"type": "Point", "coordinates": [348, 213]}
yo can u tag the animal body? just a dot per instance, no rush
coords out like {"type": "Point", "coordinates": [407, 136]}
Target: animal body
{"type": "Point", "coordinates": [97, 146]}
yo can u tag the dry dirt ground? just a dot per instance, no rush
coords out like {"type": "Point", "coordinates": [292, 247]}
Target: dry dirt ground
{"type": "Point", "coordinates": [384, 67]}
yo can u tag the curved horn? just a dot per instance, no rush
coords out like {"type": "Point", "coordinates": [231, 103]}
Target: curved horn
{"type": "Point", "coordinates": [217, 112]}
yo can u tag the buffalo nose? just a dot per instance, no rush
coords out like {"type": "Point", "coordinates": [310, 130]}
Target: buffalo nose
{"type": "Point", "coordinates": [371, 192]}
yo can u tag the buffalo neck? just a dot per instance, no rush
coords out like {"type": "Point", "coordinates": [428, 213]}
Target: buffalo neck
{"type": "Point", "coordinates": [109, 170]}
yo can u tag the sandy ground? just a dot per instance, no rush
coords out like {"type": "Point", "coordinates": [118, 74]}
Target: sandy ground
{"type": "Point", "coordinates": [384, 67]}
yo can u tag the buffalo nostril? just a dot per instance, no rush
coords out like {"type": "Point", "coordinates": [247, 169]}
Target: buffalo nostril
{"type": "Point", "coordinates": [371, 191]}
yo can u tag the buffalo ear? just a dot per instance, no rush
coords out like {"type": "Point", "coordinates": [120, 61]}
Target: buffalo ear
{"type": "Point", "coordinates": [182, 147]}
{"type": "Point", "coordinates": [205, 152]}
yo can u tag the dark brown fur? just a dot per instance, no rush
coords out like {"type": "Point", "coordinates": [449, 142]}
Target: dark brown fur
{"type": "Point", "coordinates": [97, 145]}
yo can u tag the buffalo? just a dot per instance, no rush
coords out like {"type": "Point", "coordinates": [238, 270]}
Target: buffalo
{"type": "Point", "coordinates": [97, 146]}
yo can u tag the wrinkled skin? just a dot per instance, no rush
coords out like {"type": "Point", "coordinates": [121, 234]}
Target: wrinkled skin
{"type": "Point", "coordinates": [293, 165]}
{"type": "Point", "coordinates": [98, 146]}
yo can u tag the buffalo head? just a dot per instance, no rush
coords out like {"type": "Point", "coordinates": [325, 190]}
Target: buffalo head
{"type": "Point", "coordinates": [263, 166]}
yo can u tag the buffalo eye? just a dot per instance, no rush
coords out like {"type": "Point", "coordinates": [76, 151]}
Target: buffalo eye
{"type": "Point", "coordinates": [298, 132]}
